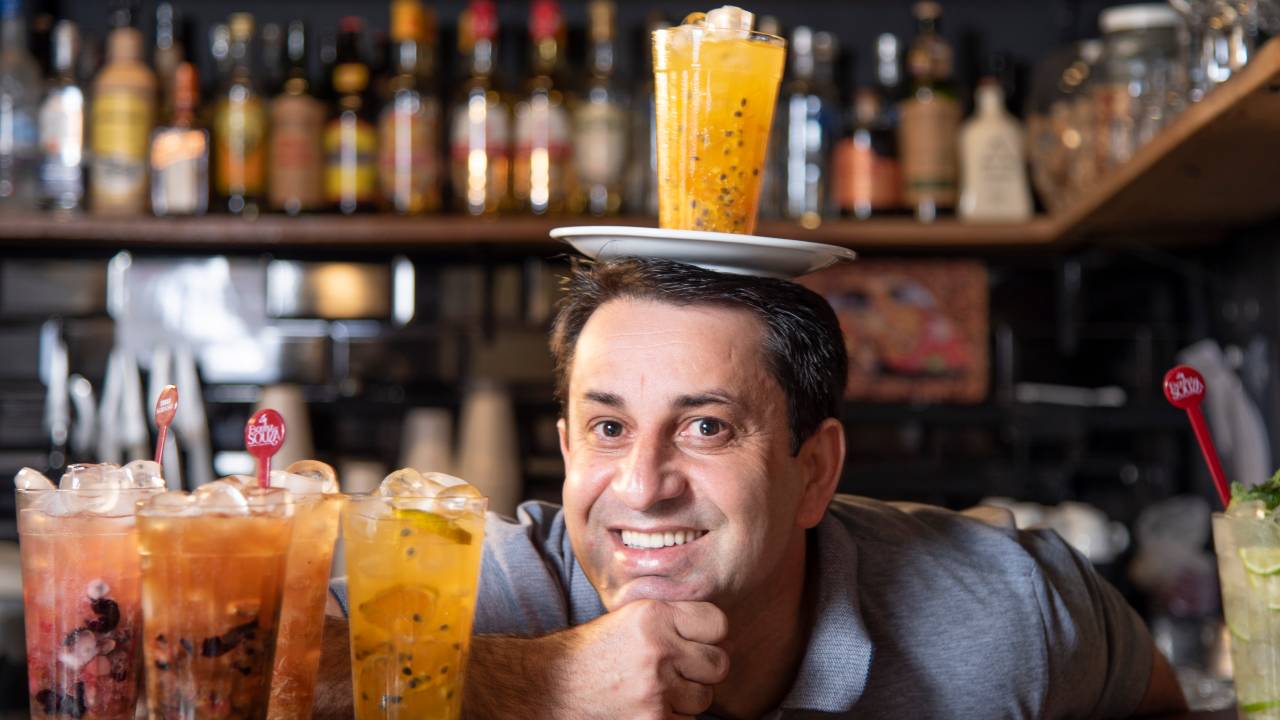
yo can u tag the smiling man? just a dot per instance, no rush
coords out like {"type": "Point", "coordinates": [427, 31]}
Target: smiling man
{"type": "Point", "coordinates": [702, 565]}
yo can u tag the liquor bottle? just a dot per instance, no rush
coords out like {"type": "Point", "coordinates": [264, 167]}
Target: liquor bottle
{"type": "Point", "coordinates": [20, 90]}
{"type": "Point", "coordinates": [296, 160]}
{"type": "Point", "coordinates": [273, 59]}
{"type": "Point", "coordinates": [930, 120]}
{"type": "Point", "coordinates": [600, 123]}
{"type": "Point", "coordinates": [866, 167]}
{"type": "Point", "coordinates": [409, 128]}
{"type": "Point", "coordinates": [350, 140]}
{"type": "Point", "coordinates": [993, 165]}
{"type": "Point", "coordinates": [62, 126]}
{"type": "Point", "coordinates": [480, 128]}
{"type": "Point", "coordinates": [180, 153]}
{"type": "Point", "coordinates": [240, 128]}
{"type": "Point", "coordinates": [541, 163]}
{"type": "Point", "coordinates": [809, 124]}
{"type": "Point", "coordinates": [167, 56]}
{"type": "Point", "coordinates": [123, 112]}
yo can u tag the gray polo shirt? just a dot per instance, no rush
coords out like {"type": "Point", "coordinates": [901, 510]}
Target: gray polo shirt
{"type": "Point", "coordinates": [921, 612]}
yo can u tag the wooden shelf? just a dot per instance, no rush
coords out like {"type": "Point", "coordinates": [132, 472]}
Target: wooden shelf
{"type": "Point", "coordinates": [1213, 169]}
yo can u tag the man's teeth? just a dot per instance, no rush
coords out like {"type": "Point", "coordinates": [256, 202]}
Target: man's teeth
{"type": "Point", "coordinates": [635, 539]}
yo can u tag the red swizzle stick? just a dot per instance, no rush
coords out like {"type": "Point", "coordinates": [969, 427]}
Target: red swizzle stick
{"type": "Point", "coordinates": [166, 408]}
{"type": "Point", "coordinates": [1185, 388]}
{"type": "Point", "coordinates": [263, 437]}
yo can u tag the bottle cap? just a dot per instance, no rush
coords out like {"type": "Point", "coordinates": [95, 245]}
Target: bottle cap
{"type": "Point", "coordinates": [407, 20]}
{"type": "Point", "coordinates": [241, 26]}
{"type": "Point", "coordinates": [544, 20]}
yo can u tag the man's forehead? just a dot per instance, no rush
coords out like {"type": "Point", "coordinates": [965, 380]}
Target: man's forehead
{"type": "Point", "coordinates": [694, 346]}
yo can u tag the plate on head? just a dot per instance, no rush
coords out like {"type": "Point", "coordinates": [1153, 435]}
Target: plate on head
{"type": "Point", "coordinates": [722, 252]}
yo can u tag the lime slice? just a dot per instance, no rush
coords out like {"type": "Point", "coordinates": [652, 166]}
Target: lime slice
{"type": "Point", "coordinates": [1261, 560]}
{"type": "Point", "coordinates": [1254, 707]}
{"type": "Point", "coordinates": [433, 524]}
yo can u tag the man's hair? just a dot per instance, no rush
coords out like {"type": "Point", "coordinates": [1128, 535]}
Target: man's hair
{"type": "Point", "coordinates": [803, 345]}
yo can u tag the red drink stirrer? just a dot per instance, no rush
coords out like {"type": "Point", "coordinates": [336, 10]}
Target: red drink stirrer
{"type": "Point", "coordinates": [263, 437]}
{"type": "Point", "coordinates": [166, 408]}
{"type": "Point", "coordinates": [1184, 388]}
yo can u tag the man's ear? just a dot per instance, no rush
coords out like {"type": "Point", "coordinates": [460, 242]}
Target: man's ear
{"type": "Point", "coordinates": [563, 431]}
{"type": "Point", "coordinates": [821, 461]}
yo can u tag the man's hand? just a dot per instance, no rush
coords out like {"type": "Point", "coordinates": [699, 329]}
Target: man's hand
{"type": "Point", "coordinates": [648, 660]}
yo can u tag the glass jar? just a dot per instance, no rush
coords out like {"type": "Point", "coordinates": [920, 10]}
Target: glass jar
{"type": "Point", "coordinates": [1061, 125]}
{"type": "Point", "coordinates": [1143, 82]}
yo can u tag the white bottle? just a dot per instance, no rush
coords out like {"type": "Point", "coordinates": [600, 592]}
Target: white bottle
{"type": "Point", "coordinates": [993, 175]}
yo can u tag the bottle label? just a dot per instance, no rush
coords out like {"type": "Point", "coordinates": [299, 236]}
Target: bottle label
{"type": "Point", "coordinates": [179, 171]}
{"type": "Point", "coordinates": [600, 143]}
{"type": "Point", "coordinates": [239, 128]}
{"type": "Point", "coordinates": [297, 165]}
{"type": "Point", "coordinates": [121, 124]}
{"type": "Point", "coordinates": [929, 132]}
{"type": "Point", "coordinates": [409, 161]}
{"type": "Point", "coordinates": [541, 152]}
{"type": "Point", "coordinates": [62, 146]}
{"type": "Point", "coordinates": [351, 170]}
{"type": "Point", "coordinates": [480, 148]}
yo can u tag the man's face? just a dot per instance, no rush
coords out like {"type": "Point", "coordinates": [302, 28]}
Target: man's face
{"type": "Point", "coordinates": [675, 431]}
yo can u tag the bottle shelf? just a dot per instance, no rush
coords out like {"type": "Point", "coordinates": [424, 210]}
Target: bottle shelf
{"type": "Point", "coordinates": [1213, 169]}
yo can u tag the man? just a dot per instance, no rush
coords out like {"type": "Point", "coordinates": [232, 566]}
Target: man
{"type": "Point", "coordinates": [700, 564]}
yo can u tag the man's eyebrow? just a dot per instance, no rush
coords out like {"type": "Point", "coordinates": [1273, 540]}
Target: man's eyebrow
{"type": "Point", "coordinates": [708, 398]}
{"type": "Point", "coordinates": [604, 398]}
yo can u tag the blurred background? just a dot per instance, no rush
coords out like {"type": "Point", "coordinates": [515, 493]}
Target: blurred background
{"type": "Point", "coordinates": [340, 210]}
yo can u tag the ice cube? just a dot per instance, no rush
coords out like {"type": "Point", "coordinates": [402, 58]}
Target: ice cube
{"type": "Point", "coordinates": [28, 479]}
{"type": "Point", "coordinates": [93, 477]}
{"type": "Point", "coordinates": [1253, 509]}
{"type": "Point", "coordinates": [172, 503]}
{"type": "Point", "coordinates": [144, 474]}
{"type": "Point", "coordinates": [317, 471]}
{"type": "Point", "coordinates": [407, 482]}
{"type": "Point", "coordinates": [96, 489]}
{"type": "Point", "coordinates": [277, 502]}
{"type": "Point", "coordinates": [223, 497]}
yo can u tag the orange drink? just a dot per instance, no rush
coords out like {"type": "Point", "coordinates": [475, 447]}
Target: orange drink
{"type": "Point", "coordinates": [715, 88]}
{"type": "Point", "coordinates": [413, 565]}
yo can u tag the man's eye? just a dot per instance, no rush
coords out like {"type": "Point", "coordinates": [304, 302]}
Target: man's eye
{"type": "Point", "coordinates": [610, 428]}
{"type": "Point", "coordinates": [709, 427]}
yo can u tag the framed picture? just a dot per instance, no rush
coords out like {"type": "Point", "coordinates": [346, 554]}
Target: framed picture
{"type": "Point", "coordinates": [916, 331]}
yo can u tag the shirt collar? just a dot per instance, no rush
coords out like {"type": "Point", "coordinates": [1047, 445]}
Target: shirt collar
{"type": "Point", "coordinates": [836, 663]}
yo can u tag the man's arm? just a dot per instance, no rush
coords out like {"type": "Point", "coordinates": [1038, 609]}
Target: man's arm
{"type": "Point", "coordinates": [334, 699]}
{"type": "Point", "coordinates": [1164, 695]}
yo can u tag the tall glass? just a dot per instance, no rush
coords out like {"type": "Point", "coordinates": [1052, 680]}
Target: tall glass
{"type": "Point", "coordinates": [715, 90]}
{"type": "Point", "coordinates": [306, 588]}
{"type": "Point", "coordinates": [1248, 550]}
{"type": "Point", "coordinates": [213, 569]}
{"type": "Point", "coordinates": [413, 566]}
{"type": "Point", "coordinates": [80, 590]}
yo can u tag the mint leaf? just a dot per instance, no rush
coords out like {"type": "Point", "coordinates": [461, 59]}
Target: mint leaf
{"type": "Point", "coordinates": [1268, 492]}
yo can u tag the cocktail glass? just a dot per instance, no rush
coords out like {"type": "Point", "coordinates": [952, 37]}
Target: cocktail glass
{"type": "Point", "coordinates": [413, 565]}
{"type": "Point", "coordinates": [316, 512]}
{"type": "Point", "coordinates": [715, 88]}
{"type": "Point", "coordinates": [213, 570]}
{"type": "Point", "coordinates": [80, 588]}
{"type": "Point", "coordinates": [1248, 549]}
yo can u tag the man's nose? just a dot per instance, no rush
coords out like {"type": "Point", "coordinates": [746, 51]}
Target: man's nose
{"type": "Point", "coordinates": [647, 476]}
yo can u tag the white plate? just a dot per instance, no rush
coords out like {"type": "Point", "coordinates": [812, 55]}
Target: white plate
{"type": "Point", "coordinates": [722, 252]}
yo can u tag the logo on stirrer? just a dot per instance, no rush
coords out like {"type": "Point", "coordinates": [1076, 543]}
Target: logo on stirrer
{"type": "Point", "coordinates": [263, 437]}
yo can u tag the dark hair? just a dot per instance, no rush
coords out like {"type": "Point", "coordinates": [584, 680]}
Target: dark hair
{"type": "Point", "coordinates": [803, 344]}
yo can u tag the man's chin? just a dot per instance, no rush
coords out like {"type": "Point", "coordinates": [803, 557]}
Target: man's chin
{"type": "Point", "coordinates": [657, 588]}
